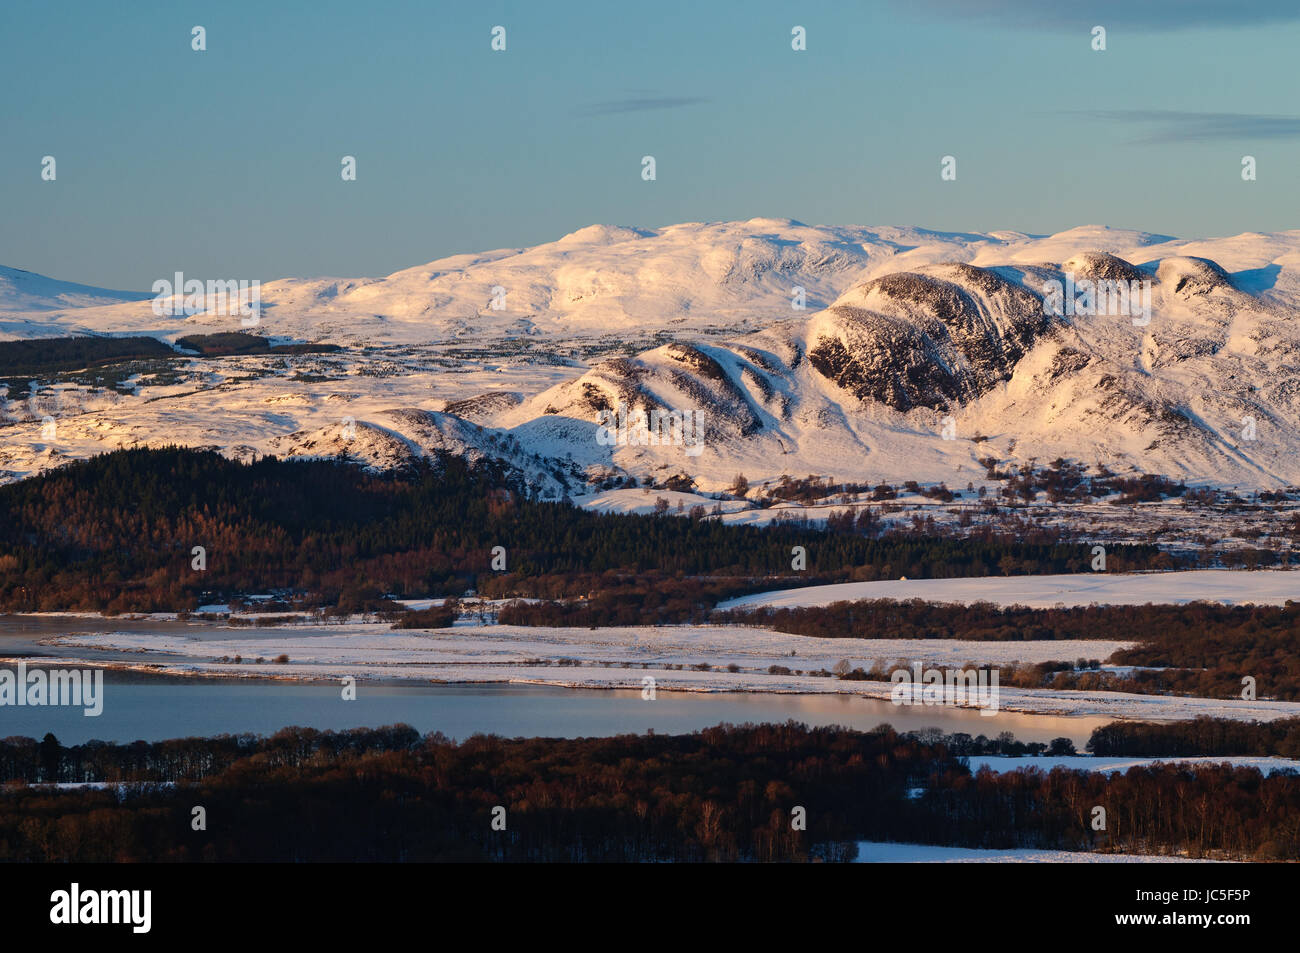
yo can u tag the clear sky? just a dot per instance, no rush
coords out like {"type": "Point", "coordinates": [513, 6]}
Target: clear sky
{"type": "Point", "coordinates": [226, 163]}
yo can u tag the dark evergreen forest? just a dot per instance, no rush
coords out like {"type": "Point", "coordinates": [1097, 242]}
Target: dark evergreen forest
{"type": "Point", "coordinates": [117, 533]}
{"type": "Point", "coordinates": [725, 793]}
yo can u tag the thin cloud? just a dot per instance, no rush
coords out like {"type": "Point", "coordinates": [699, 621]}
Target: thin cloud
{"type": "Point", "coordinates": [1169, 125]}
{"type": "Point", "coordinates": [1154, 15]}
{"type": "Point", "coordinates": [638, 104]}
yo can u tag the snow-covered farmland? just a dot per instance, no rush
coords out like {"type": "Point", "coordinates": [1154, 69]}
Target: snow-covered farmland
{"type": "Point", "coordinates": [1264, 587]}
{"type": "Point", "coordinates": [878, 852]}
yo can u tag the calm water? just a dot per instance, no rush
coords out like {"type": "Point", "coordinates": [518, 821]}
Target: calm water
{"type": "Point", "coordinates": [156, 707]}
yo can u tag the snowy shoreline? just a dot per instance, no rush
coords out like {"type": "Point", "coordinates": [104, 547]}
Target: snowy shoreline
{"type": "Point", "coordinates": [740, 659]}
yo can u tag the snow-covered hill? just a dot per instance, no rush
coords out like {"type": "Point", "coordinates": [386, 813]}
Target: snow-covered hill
{"type": "Point", "coordinates": [916, 354]}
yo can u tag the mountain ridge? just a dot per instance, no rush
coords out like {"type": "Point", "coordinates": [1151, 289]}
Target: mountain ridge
{"type": "Point", "coordinates": [916, 354]}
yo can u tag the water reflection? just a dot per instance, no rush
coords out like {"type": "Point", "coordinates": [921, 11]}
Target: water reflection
{"type": "Point", "coordinates": [152, 708]}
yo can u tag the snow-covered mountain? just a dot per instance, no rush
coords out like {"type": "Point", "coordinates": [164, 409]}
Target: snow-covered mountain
{"type": "Point", "coordinates": [916, 354]}
{"type": "Point", "coordinates": [30, 304]}
{"type": "Point", "coordinates": [1208, 391]}
{"type": "Point", "coordinates": [603, 281]}
{"type": "Point", "coordinates": [597, 281]}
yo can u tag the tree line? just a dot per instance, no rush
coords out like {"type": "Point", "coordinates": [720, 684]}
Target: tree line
{"type": "Point", "coordinates": [1199, 737]}
{"type": "Point", "coordinates": [118, 532]}
{"type": "Point", "coordinates": [729, 793]}
{"type": "Point", "coordinates": [1200, 648]}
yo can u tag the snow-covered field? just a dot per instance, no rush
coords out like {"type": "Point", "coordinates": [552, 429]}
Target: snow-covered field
{"type": "Point", "coordinates": [1000, 764]}
{"type": "Point", "coordinates": [880, 852]}
{"type": "Point", "coordinates": [624, 657]}
{"type": "Point", "coordinates": [1263, 587]}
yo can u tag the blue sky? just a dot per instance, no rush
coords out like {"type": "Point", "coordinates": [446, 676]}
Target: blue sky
{"type": "Point", "coordinates": [226, 163]}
